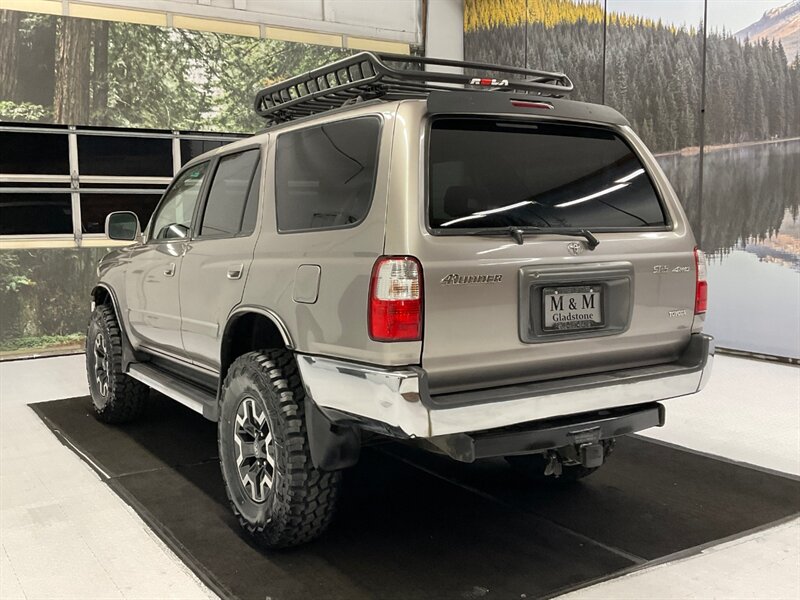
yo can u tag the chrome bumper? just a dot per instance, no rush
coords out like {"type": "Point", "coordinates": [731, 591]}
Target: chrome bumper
{"type": "Point", "coordinates": [396, 401]}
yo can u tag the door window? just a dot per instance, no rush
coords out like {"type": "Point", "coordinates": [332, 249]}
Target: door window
{"type": "Point", "coordinates": [227, 204]}
{"type": "Point", "coordinates": [174, 217]}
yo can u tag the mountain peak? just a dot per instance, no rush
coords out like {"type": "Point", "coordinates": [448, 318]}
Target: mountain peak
{"type": "Point", "coordinates": [789, 7]}
{"type": "Point", "coordinates": [781, 23]}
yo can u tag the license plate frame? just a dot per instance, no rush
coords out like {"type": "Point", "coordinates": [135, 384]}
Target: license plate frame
{"type": "Point", "coordinates": [583, 294]}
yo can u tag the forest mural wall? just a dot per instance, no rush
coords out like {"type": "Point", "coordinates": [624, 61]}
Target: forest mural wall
{"type": "Point", "coordinates": [717, 100]}
{"type": "Point", "coordinates": [74, 71]}
{"type": "Point", "coordinates": [84, 72]}
{"type": "Point", "coordinates": [43, 298]}
{"type": "Point", "coordinates": [652, 69]}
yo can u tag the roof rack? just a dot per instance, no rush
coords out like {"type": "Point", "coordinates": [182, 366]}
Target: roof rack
{"type": "Point", "coordinates": [366, 76]}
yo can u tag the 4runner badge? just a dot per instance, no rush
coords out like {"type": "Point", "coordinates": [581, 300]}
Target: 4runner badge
{"type": "Point", "coordinates": [456, 279]}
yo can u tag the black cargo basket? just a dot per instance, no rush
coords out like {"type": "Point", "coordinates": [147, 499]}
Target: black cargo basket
{"type": "Point", "coordinates": [367, 76]}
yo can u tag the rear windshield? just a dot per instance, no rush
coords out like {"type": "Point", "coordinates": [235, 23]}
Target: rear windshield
{"type": "Point", "coordinates": [486, 174]}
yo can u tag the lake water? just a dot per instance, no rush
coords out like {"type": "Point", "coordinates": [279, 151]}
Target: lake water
{"type": "Point", "coordinates": [751, 233]}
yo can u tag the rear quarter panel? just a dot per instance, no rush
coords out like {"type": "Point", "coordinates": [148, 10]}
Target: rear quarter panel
{"type": "Point", "coordinates": [336, 323]}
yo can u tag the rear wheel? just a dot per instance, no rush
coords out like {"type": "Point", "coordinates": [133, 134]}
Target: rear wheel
{"type": "Point", "coordinates": [117, 397]}
{"type": "Point", "coordinates": [280, 498]}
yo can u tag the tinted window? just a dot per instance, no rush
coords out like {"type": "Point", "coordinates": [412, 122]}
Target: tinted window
{"type": "Point", "coordinates": [96, 207]}
{"type": "Point", "coordinates": [36, 213]}
{"type": "Point", "coordinates": [324, 175]}
{"type": "Point", "coordinates": [494, 174]}
{"type": "Point", "coordinates": [230, 188]}
{"type": "Point", "coordinates": [112, 155]}
{"type": "Point", "coordinates": [34, 153]}
{"type": "Point", "coordinates": [174, 217]}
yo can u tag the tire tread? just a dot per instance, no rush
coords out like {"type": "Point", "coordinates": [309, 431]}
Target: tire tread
{"type": "Point", "coordinates": [305, 499]}
{"type": "Point", "coordinates": [127, 396]}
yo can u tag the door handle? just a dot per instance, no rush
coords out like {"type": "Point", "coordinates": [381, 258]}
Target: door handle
{"type": "Point", "coordinates": [235, 271]}
{"type": "Point", "coordinates": [170, 270]}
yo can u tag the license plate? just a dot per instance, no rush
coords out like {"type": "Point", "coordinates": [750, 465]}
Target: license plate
{"type": "Point", "coordinates": [574, 307]}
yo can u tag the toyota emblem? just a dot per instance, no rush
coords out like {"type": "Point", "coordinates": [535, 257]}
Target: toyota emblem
{"type": "Point", "coordinates": [575, 248]}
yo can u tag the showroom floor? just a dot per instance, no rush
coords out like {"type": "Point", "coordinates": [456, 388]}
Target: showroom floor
{"type": "Point", "coordinates": [66, 534]}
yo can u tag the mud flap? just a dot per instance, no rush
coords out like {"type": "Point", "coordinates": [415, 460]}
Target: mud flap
{"type": "Point", "coordinates": [333, 447]}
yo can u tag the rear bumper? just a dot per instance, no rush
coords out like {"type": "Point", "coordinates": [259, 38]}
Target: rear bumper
{"type": "Point", "coordinates": [396, 401]}
{"type": "Point", "coordinates": [538, 436]}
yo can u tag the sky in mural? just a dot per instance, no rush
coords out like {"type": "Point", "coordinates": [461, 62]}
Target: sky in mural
{"type": "Point", "coordinates": [733, 15]}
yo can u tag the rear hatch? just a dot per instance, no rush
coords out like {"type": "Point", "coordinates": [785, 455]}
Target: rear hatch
{"type": "Point", "coordinates": [514, 291]}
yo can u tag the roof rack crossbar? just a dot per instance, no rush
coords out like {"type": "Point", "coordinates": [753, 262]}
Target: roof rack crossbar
{"type": "Point", "coordinates": [367, 76]}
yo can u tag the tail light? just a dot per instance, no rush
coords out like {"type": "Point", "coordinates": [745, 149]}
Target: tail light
{"type": "Point", "coordinates": [701, 287]}
{"type": "Point", "coordinates": [395, 300]}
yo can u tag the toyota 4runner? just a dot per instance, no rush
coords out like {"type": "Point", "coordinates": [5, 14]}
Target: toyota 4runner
{"type": "Point", "coordinates": [472, 264]}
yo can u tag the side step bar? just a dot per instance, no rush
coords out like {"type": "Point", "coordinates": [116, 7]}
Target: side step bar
{"type": "Point", "coordinates": [188, 394]}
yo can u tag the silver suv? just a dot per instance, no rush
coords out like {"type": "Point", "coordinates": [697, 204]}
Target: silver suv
{"type": "Point", "coordinates": [471, 264]}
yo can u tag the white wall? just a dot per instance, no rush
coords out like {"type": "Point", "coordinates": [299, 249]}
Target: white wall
{"type": "Point", "coordinates": [445, 29]}
{"type": "Point", "coordinates": [389, 20]}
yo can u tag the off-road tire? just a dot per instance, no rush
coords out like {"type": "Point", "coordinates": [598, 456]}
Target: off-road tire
{"type": "Point", "coordinates": [532, 466]}
{"type": "Point", "coordinates": [299, 504]}
{"type": "Point", "coordinates": [124, 398]}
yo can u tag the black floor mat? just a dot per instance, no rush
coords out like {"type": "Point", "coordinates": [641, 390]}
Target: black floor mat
{"type": "Point", "coordinates": [414, 525]}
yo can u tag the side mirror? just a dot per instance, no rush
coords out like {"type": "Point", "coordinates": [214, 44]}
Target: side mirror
{"type": "Point", "coordinates": [122, 225]}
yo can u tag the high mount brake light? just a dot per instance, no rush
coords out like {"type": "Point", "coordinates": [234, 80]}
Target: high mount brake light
{"type": "Point", "coordinates": [529, 104]}
{"type": "Point", "coordinates": [701, 284]}
{"type": "Point", "coordinates": [395, 300]}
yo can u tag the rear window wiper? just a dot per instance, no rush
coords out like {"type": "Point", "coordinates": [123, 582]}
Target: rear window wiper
{"type": "Point", "coordinates": [519, 233]}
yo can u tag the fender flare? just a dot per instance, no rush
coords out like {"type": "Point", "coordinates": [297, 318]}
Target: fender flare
{"type": "Point", "coordinates": [264, 312]}
{"type": "Point", "coordinates": [232, 318]}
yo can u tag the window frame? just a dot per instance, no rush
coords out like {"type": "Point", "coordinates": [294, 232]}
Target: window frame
{"type": "Point", "coordinates": [87, 193]}
{"type": "Point", "coordinates": [36, 191]}
{"type": "Point", "coordinates": [75, 184]}
{"type": "Point", "coordinates": [201, 209]}
{"type": "Point", "coordinates": [377, 116]}
{"type": "Point", "coordinates": [54, 131]}
{"type": "Point", "coordinates": [148, 238]}
{"type": "Point", "coordinates": [83, 136]}
{"type": "Point", "coordinates": [619, 133]}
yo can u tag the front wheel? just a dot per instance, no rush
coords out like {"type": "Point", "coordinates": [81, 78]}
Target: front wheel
{"type": "Point", "coordinates": [117, 397]}
{"type": "Point", "coordinates": [280, 498]}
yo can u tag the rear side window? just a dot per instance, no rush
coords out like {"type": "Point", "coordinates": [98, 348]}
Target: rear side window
{"type": "Point", "coordinates": [325, 175]}
{"type": "Point", "coordinates": [487, 174]}
{"type": "Point", "coordinates": [224, 213]}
